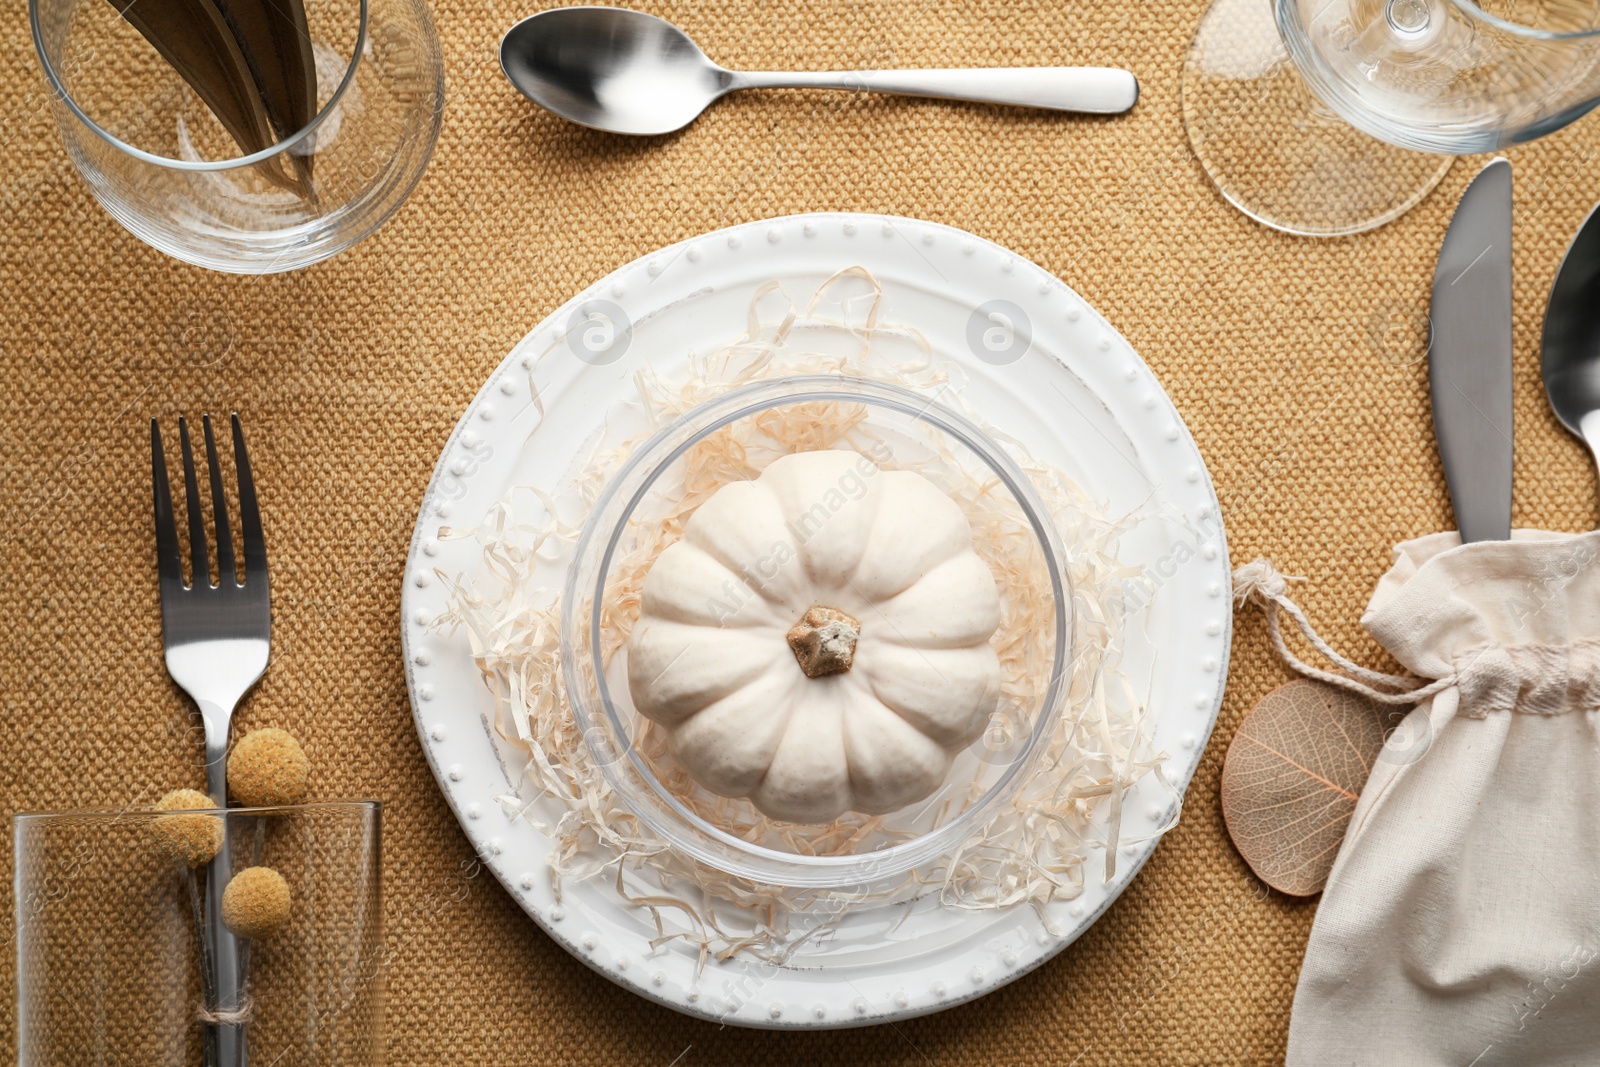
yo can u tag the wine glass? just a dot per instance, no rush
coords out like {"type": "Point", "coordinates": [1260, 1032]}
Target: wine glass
{"type": "Point", "coordinates": [198, 181]}
{"type": "Point", "coordinates": [1328, 117]}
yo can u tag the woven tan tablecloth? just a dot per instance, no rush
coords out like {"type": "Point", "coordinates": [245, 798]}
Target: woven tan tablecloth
{"type": "Point", "coordinates": [1297, 364]}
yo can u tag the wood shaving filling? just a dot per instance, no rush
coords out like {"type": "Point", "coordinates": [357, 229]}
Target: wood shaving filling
{"type": "Point", "coordinates": [1033, 849]}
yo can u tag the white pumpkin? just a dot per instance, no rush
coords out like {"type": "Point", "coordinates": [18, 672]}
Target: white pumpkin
{"type": "Point", "coordinates": [818, 641]}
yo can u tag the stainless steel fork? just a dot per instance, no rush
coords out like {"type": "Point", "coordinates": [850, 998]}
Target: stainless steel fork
{"type": "Point", "coordinates": [216, 638]}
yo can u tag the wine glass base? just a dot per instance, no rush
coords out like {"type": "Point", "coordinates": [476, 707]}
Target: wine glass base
{"type": "Point", "coordinates": [1274, 150]}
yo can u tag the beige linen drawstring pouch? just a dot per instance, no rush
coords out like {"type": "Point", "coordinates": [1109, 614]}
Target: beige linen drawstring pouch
{"type": "Point", "coordinates": [1461, 922]}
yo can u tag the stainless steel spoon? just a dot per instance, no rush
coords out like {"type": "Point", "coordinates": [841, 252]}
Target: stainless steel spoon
{"type": "Point", "coordinates": [628, 72]}
{"type": "Point", "coordinates": [1571, 342]}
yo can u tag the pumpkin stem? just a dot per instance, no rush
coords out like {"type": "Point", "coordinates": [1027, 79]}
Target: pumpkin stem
{"type": "Point", "coordinates": [824, 641]}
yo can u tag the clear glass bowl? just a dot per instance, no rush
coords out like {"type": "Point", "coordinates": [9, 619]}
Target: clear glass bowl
{"type": "Point", "coordinates": [161, 162]}
{"type": "Point", "coordinates": [729, 835]}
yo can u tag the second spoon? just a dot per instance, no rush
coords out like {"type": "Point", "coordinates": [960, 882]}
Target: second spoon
{"type": "Point", "coordinates": [628, 72]}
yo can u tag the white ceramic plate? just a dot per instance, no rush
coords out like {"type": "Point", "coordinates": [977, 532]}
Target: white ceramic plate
{"type": "Point", "coordinates": [1062, 381]}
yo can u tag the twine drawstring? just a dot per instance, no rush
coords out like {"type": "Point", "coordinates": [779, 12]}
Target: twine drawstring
{"type": "Point", "coordinates": [239, 1016]}
{"type": "Point", "coordinates": [1260, 581]}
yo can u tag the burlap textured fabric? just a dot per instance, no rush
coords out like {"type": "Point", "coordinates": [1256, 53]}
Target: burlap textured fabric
{"type": "Point", "coordinates": [1298, 364]}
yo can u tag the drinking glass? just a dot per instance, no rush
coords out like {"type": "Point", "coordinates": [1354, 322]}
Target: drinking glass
{"type": "Point", "coordinates": [161, 162]}
{"type": "Point", "coordinates": [109, 954]}
{"type": "Point", "coordinates": [1328, 117]}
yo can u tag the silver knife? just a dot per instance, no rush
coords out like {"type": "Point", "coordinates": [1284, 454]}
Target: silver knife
{"type": "Point", "coordinates": [1469, 359]}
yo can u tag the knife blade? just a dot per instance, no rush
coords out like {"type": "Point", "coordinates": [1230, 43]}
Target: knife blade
{"type": "Point", "coordinates": [1469, 359]}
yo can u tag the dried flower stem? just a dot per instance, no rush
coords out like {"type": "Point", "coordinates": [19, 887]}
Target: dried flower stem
{"type": "Point", "coordinates": [208, 992]}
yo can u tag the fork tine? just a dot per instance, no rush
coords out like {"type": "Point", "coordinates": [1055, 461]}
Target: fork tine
{"type": "Point", "coordinates": [219, 510]}
{"type": "Point", "coordinates": [255, 545]}
{"type": "Point", "coordinates": [199, 559]}
{"type": "Point", "coordinates": [169, 563]}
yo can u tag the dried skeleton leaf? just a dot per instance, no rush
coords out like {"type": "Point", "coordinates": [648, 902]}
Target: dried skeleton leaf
{"type": "Point", "coordinates": [1292, 777]}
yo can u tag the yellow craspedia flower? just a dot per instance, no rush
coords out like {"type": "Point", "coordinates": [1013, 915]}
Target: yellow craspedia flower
{"type": "Point", "coordinates": [188, 836]}
{"type": "Point", "coordinates": [256, 902]}
{"type": "Point", "coordinates": [268, 768]}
